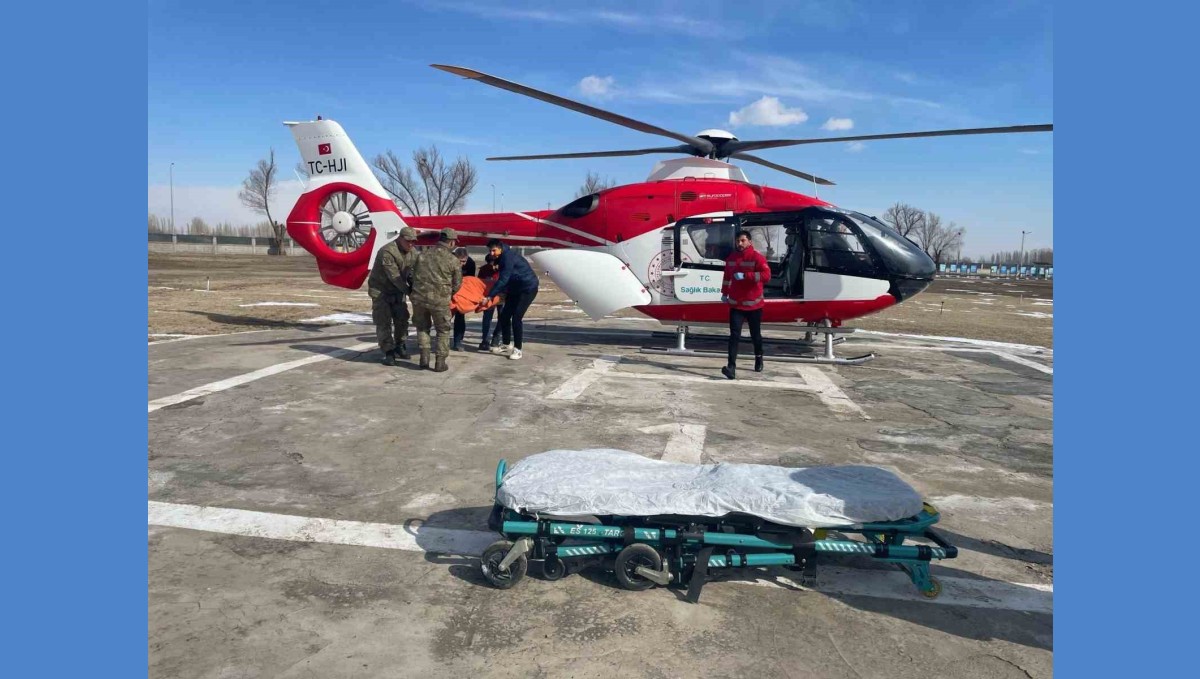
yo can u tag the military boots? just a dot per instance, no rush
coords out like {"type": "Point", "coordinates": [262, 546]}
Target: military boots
{"type": "Point", "coordinates": [441, 366]}
{"type": "Point", "coordinates": [389, 358]}
{"type": "Point", "coordinates": [424, 358]}
{"type": "Point", "coordinates": [402, 350]}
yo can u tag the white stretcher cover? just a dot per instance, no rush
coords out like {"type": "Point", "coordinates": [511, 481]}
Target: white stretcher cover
{"type": "Point", "coordinates": [616, 482]}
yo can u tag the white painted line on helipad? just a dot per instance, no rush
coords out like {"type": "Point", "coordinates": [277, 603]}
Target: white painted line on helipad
{"type": "Point", "coordinates": [222, 385]}
{"type": "Point", "coordinates": [685, 442]}
{"type": "Point", "coordinates": [572, 388]}
{"type": "Point", "coordinates": [830, 394]}
{"type": "Point", "coordinates": [832, 580]}
{"type": "Point", "coordinates": [1003, 346]}
{"type": "Point", "coordinates": [767, 384]}
{"type": "Point", "coordinates": [328, 531]}
{"type": "Point", "coordinates": [973, 350]}
{"type": "Point", "coordinates": [192, 337]}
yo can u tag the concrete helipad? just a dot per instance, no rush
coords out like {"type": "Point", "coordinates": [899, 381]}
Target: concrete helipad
{"type": "Point", "coordinates": [313, 513]}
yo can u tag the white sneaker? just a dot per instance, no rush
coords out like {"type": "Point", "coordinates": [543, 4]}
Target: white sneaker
{"type": "Point", "coordinates": [501, 349]}
{"type": "Point", "coordinates": [515, 355]}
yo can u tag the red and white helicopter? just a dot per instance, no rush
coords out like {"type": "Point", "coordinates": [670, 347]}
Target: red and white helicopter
{"type": "Point", "coordinates": [657, 246]}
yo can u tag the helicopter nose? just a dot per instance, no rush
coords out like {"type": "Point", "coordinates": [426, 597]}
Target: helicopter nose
{"type": "Point", "coordinates": [912, 272]}
{"type": "Point", "coordinates": [911, 269]}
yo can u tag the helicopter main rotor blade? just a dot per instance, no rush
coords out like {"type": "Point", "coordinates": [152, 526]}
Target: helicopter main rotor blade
{"type": "Point", "coordinates": [601, 154]}
{"type": "Point", "coordinates": [736, 146]}
{"type": "Point", "coordinates": [702, 146]}
{"type": "Point", "coordinates": [786, 170]}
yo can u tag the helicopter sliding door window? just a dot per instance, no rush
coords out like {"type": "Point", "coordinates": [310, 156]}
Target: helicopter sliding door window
{"type": "Point", "coordinates": [712, 243]}
{"type": "Point", "coordinates": [771, 241]}
{"type": "Point", "coordinates": [835, 246]}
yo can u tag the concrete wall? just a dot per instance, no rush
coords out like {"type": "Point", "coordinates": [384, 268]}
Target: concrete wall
{"type": "Point", "coordinates": [217, 245]}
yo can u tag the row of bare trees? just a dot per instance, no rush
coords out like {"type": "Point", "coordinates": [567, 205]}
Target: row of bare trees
{"type": "Point", "coordinates": [939, 240]}
{"type": "Point", "coordinates": [196, 226]}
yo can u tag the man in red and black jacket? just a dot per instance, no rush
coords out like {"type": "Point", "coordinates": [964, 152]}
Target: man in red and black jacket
{"type": "Point", "coordinates": [746, 271]}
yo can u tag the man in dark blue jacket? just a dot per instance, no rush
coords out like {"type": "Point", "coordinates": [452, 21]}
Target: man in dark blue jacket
{"type": "Point", "coordinates": [519, 285]}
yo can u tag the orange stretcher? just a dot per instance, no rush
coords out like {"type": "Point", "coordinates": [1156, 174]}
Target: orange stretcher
{"type": "Point", "coordinates": [474, 291]}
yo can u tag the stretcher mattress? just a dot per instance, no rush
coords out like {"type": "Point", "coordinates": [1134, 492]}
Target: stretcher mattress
{"type": "Point", "coordinates": [602, 482]}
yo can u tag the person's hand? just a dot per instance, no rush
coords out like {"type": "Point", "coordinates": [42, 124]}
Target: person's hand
{"type": "Point", "coordinates": [724, 299]}
{"type": "Point", "coordinates": [739, 276]}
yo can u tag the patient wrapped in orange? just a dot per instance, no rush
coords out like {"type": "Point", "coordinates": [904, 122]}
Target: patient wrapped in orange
{"type": "Point", "coordinates": [472, 294]}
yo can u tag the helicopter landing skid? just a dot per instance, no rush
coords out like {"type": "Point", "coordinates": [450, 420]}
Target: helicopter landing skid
{"type": "Point", "coordinates": [827, 358]}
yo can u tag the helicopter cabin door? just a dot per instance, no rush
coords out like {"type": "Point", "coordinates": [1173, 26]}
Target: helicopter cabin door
{"type": "Point", "coordinates": [703, 243]}
{"type": "Point", "coordinates": [701, 246]}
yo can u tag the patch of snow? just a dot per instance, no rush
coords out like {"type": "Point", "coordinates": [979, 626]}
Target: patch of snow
{"type": "Point", "coordinates": [280, 304]}
{"type": "Point", "coordinates": [1043, 303]}
{"type": "Point", "coordinates": [341, 318]}
{"type": "Point", "coordinates": [1033, 314]}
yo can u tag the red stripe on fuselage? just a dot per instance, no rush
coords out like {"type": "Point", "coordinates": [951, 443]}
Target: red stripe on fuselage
{"type": "Point", "coordinates": [775, 310]}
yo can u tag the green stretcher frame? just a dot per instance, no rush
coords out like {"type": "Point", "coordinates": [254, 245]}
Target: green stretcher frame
{"type": "Point", "coordinates": [689, 546]}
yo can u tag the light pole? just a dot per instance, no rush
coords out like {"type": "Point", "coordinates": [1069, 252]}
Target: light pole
{"type": "Point", "coordinates": [172, 197]}
{"type": "Point", "coordinates": [1022, 262]}
{"type": "Point", "coordinates": [493, 197]}
{"type": "Point", "coordinates": [502, 202]}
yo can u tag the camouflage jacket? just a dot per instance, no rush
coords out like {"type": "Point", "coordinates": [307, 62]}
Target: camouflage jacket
{"type": "Point", "coordinates": [393, 270]}
{"type": "Point", "coordinates": [436, 278]}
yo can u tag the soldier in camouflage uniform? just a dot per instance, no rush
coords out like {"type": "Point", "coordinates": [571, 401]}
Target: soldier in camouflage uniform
{"type": "Point", "coordinates": [436, 278]}
{"type": "Point", "coordinates": [388, 286]}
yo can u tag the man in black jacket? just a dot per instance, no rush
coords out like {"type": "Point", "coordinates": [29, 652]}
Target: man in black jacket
{"type": "Point", "coordinates": [519, 284]}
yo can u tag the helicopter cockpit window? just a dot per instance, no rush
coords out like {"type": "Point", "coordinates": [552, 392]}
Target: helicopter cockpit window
{"type": "Point", "coordinates": [901, 255]}
{"type": "Point", "coordinates": [712, 241]}
{"type": "Point", "coordinates": [834, 246]}
{"type": "Point", "coordinates": [580, 206]}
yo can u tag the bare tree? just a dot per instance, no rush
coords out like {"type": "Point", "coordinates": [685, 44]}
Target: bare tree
{"type": "Point", "coordinates": [594, 184]}
{"type": "Point", "coordinates": [257, 191]}
{"type": "Point", "coordinates": [904, 218]}
{"type": "Point", "coordinates": [936, 239]}
{"type": "Point", "coordinates": [437, 187]}
{"type": "Point", "coordinates": [198, 227]}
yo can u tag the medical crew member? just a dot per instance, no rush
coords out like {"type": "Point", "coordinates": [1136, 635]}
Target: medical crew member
{"type": "Point", "coordinates": [746, 271]}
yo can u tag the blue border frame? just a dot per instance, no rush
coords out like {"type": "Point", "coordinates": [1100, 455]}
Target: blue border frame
{"type": "Point", "coordinates": [1125, 451]}
{"type": "Point", "coordinates": [75, 491]}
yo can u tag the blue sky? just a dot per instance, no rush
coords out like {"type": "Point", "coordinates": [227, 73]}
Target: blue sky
{"type": "Point", "coordinates": [222, 76]}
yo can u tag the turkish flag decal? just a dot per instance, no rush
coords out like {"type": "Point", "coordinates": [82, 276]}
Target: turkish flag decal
{"type": "Point", "coordinates": [324, 149]}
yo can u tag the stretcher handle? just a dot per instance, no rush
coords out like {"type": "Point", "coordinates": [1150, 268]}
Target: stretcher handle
{"type": "Point", "coordinates": [500, 469]}
{"type": "Point", "coordinates": [951, 550]}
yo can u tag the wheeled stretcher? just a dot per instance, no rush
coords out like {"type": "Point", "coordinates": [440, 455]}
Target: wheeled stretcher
{"type": "Point", "coordinates": [645, 548]}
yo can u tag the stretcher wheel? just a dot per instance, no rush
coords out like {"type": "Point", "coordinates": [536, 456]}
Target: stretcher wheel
{"type": "Point", "coordinates": [489, 563]}
{"type": "Point", "coordinates": [553, 568]}
{"type": "Point", "coordinates": [937, 589]}
{"type": "Point", "coordinates": [629, 559]}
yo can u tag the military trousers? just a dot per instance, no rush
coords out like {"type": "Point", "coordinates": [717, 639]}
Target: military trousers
{"type": "Point", "coordinates": [390, 314]}
{"type": "Point", "coordinates": [438, 318]}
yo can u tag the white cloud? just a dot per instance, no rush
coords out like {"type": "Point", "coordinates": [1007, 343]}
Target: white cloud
{"type": "Point", "coordinates": [1030, 152]}
{"type": "Point", "coordinates": [838, 124]}
{"type": "Point", "coordinates": [855, 147]}
{"type": "Point", "coordinates": [768, 111]}
{"type": "Point", "coordinates": [597, 87]}
{"type": "Point", "coordinates": [215, 204]}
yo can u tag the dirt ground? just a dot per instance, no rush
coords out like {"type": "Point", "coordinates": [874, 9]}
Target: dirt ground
{"type": "Point", "coordinates": [214, 294]}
